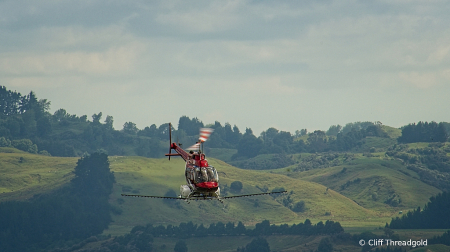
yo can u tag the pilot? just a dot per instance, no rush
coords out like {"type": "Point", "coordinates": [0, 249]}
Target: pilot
{"type": "Point", "coordinates": [204, 174]}
{"type": "Point", "coordinates": [211, 175]}
{"type": "Point", "coordinates": [198, 178]}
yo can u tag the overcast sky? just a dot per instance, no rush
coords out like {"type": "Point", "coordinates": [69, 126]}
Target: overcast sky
{"type": "Point", "coordinates": [258, 64]}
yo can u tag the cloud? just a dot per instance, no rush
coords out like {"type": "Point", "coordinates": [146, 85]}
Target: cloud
{"type": "Point", "coordinates": [254, 57]}
{"type": "Point", "coordinates": [200, 17]}
{"type": "Point", "coordinates": [440, 55]}
{"type": "Point", "coordinates": [113, 61]}
{"type": "Point", "coordinates": [419, 80]}
{"type": "Point", "coordinates": [426, 79]}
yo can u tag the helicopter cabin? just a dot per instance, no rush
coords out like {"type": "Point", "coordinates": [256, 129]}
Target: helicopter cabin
{"type": "Point", "coordinates": [200, 174]}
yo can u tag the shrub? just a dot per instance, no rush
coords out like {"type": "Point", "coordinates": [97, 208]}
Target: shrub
{"type": "Point", "coordinates": [25, 145]}
{"type": "Point", "coordinates": [299, 207]}
{"type": "Point", "coordinates": [236, 186]}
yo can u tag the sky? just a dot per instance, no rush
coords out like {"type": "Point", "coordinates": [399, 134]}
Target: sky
{"type": "Point", "coordinates": [255, 64]}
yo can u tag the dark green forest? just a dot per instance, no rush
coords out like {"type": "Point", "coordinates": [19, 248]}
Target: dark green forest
{"type": "Point", "coordinates": [434, 215]}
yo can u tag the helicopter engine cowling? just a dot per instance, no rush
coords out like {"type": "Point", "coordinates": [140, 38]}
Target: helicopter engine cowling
{"type": "Point", "coordinates": [185, 191]}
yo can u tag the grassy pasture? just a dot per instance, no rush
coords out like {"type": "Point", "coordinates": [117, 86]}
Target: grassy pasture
{"type": "Point", "coordinates": [23, 175]}
{"type": "Point", "coordinates": [392, 132]}
{"type": "Point", "coordinates": [156, 176]}
{"type": "Point", "coordinates": [221, 153]}
{"type": "Point", "coordinates": [380, 178]}
{"type": "Point", "coordinates": [379, 143]}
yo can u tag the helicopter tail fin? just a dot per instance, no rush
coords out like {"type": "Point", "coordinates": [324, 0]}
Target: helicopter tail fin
{"type": "Point", "coordinates": [170, 140]}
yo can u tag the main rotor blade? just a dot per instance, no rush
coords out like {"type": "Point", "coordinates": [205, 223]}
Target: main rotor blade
{"type": "Point", "coordinates": [253, 194]}
{"type": "Point", "coordinates": [148, 196]}
{"type": "Point", "coordinates": [163, 197]}
{"type": "Point", "coordinates": [200, 197]}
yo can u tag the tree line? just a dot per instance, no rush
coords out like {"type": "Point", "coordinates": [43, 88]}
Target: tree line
{"type": "Point", "coordinates": [25, 117]}
{"type": "Point", "coordinates": [185, 230]}
{"type": "Point", "coordinates": [434, 215]}
{"type": "Point", "coordinates": [281, 142]}
{"type": "Point", "coordinates": [424, 132]}
{"type": "Point", "coordinates": [74, 212]}
{"type": "Point", "coordinates": [141, 237]}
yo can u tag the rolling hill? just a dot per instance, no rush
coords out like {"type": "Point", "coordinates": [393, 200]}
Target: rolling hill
{"type": "Point", "coordinates": [328, 193]}
{"type": "Point", "coordinates": [157, 176]}
{"type": "Point", "coordinates": [24, 175]}
{"type": "Point", "coordinates": [374, 182]}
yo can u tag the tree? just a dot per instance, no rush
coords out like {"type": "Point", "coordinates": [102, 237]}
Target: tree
{"type": "Point", "coordinates": [269, 134]}
{"type": "Point", "coordinates": [249, 146]}
{"type": "Point", "coordinates": [283, 139]}
{"type": "Point", "coordinates": [9, 104]}
{"type": "Point", "coordinates": [229, 228]}
{"type": "Point", "coordinates": [96, 118]}
{"type": "Point", "coordinates": [163, 131]}
{"type": "Point", "coordinates": [25, 145]}
{"type": "Point", "coordinates": [109, 122]}
{"type": "Point", "coordinates": [423, 132]}
{"type": "Point", "coordinates": [258, 245]}
{"type": "Point", "coordinates": [356, 126]}
{"type": "Point", "coordinates": [240, 229]}
{"type": "Point", "coordinates": [191, 127]}
{"type": "Point", "coordinates": [151, 131]}
{"type": "Point", "coordinates": [299, 207]}
{"type": "Point", "coordinates": [4, 142]}
{"type": "Point", "coordinates": [93, 176]}
{"type": "Point", "coordinates": [303, 132]}
{"type": "Point", "coordinates": [43, 126]}
{"type": "Point", "coordinates": [201, 231]}
{"type": "Point", "coordinates": [130, 128]}
{"type": "Point", "coordinates": [180, 246]}
{"type": "Point", "coordinates": [334, 130]}
{"type": "Point", "coordinates": [236, 186]}
{"type": "Point", "coordinates": [317, 141]}
{"type": "Point", "coordinates": [60, 115]}
{"type": "Point", "coordinates": [325, 245]}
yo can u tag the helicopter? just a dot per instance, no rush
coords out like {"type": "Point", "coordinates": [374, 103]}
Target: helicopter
{"type": "Point", "coordinates": [202, 179]}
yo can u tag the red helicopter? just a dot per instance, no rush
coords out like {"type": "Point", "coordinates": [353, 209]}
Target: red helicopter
{"type": "Point", "coordinates": [202, 179]}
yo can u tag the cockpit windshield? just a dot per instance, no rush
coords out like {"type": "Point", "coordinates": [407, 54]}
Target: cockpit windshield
{"type": "Point", "coordinates": [205, 174]}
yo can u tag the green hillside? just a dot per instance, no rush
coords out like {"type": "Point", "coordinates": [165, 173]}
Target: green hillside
{"type": "Point", "coordinates": [392, 132]}
{"type": "Point", "coordinates": [157, 176]}
{"type": "Point", "coordinates": [373, 181]}
{"type": "Point", "coordinates": [24, 175]}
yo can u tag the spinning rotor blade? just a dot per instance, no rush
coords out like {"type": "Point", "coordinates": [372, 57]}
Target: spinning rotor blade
{"type": "Point", "coordinates": [200, 197]}
{"type": "Point", "coordinates": [205, 133]}
{"type": "Point", "coordinates": [148, 196]}
{"type": "Point", "coordinates": [194, 147]}
{"type": "Point", "coordinates": [253, 194]}
{"type": "Point", "coordinates": [163, 197]}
